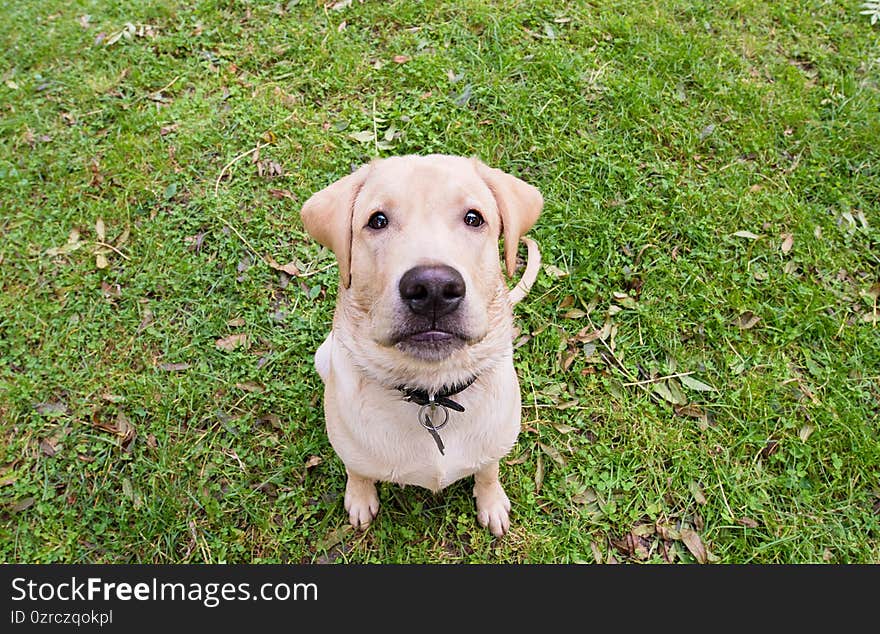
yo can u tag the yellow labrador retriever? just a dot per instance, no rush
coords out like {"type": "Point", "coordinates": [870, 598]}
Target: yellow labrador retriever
{"type": "Point", "coordinates": [419, 383]}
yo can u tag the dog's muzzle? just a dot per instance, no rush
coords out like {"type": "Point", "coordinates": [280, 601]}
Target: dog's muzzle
{"type": "Point", "coordinates": [431, 296]}
{"type": "Point", "coordinates": [432, 291]}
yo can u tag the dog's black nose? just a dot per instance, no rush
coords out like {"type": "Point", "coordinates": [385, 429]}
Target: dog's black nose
{"type": "Point", "coordinates": [433, 290]}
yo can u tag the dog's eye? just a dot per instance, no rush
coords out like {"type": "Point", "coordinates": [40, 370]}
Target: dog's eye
{"type": "Point", "coordinates": [378, 221]}
{"type": "Point", "coordinates": [473, 218]}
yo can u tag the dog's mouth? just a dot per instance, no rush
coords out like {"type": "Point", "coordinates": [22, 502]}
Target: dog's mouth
{"type": "Point", "coordinates": [431, 337]}
{"type": "Point", "coordinates": [432, 344]}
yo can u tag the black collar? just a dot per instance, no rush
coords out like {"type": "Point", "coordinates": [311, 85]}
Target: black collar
{"type": "Point", "coordinates": [441, 397]}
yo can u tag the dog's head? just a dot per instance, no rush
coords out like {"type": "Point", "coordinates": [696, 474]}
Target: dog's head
{"type": "Point", "coordinates": [416, 240]}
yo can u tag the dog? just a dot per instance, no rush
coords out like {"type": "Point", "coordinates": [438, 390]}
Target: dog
{"type": "Point", "coordinates": [419, 381]}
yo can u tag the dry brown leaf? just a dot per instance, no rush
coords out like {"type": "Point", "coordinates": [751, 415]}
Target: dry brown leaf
{"type": "Point", "coordinates": [629, 546]}
{"type": "Point", "coordinates": [747, 522]}
{"type": "Point", "coordinates": [335, 536]}
{"type": "Point", "coordinates": [567, 404]}
{"type": "Point", "coordinates": [271, 419]}
{"type": "Point", "coordinates": [289, 268]}
{"type": "Point", "coordinates": [110, 291]}
{"type": "Point", "coordinates": [667, 531]}
{"type": "Point", "coordinates": [690, 411]}
{"type": "Point", "coordinates": [746, 320]}
{"type": "Point", "coordinates": [313, 461]}
{"type": "Point", "coordinates": [518, 460]}
{"type": "Point", "coordinates": [250, 386]}
{"type": "Point", "coordinates": [553, 453]}
{"type": "Point", "coordinates": [669, 392]}
{"type": "Point", "coordinates": [697, 492]}
{"type": "Point", "coordinates": [401, 59]}
{"type": "Point", "coordinates": [694, 384]}
{"type": "Point", "coordinates": [124, 429]}
{"type": "Point", "coordinates": [568, 360]}
{"type": "Point", "coordinates": [364, 136]}
{"type": "Point", "coordinates": [282, 193]}
{"type": "Point", "coordinates": [231, 342]}
{"type": "Point", "coordinates": [747, 234]}
{"type": "Point", "coordinates": [643, 530]}
{"type": "Point", "coordinates": [21, 505]}
{"type": "Point", "coordinates": [694, 543]}
{"type": "Point", "coordinates": [769, 449]}
{"type": "Point", "coordinates": [72, 244]}
{"type": "Point", "coordinates": [523, 340]}
{"type": "Point", "coordinates": [676, 391]}
{"type": "Point", "coordinates": [238, 322]}
{"type": "Point", "coordinates": [51, 408]}
{"type": "Point", "coordinates": [693, 411]}
{"type": "Point", "coordinates": [597, 554]}
{"type": "Point", "coordinates": [588, 334]}
{"type": "Point", "coordinates": [587, 496]}
{"type": "Point", "coordinates": [787, 242]}
{"type": "Point", "coordinates": [100, 424]}
{"type": "Point", "coordinates": [269, 168]}
{"type": "Point", "coordinates": [127, 489]}
{"type": "Point", "coordinates": [94, 166]}
{"type": "Point", "coordinates": [194, 242]}
{"type": "Point", "coordinates": [101, 261]}
{"type": "Point", "coordinates": [173, 367]}
{"type": "Point", "coordinates": [554, 271]}
{"type": "Point", "coordinates": [100, 230]}
{"type": "Point", "coordinates": [47, 447]}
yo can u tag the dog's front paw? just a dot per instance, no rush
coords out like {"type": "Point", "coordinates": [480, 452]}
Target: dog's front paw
{"type": "Point", "coordinates": [493, 508]}
{"type": "Point", "coordinates": [361, 501]}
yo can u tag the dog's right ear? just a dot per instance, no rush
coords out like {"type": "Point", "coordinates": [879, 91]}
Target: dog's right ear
{"type": "Point", "coordinates": [327, 218]}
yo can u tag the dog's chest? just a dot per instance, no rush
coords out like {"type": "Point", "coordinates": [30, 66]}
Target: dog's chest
{"type": "Point", "coordinates": [381, 436]}
{"type": "Point", "coordinates": [469, 443]}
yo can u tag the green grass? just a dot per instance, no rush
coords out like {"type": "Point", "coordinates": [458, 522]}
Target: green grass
{"type": "Point", "coordinates": [656, 131]}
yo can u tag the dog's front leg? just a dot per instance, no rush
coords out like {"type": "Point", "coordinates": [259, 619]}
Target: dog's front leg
{"type": "Point", "coordinates": [493, 505]}
{"type": "Point", "coordinates": [361, 500]}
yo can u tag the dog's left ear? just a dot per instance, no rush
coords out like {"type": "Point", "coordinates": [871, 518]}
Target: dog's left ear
{"type": "Point", "coordinates": [518, 202]}
{"type": "Point", "coordinates": [327, 218]}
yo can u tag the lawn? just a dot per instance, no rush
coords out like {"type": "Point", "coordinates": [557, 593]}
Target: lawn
{"type": "Point", "coordinates": [699, 358]}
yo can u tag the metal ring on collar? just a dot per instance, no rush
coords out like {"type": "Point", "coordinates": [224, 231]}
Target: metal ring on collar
{"type": "Point", "coordinates": [426, 416]}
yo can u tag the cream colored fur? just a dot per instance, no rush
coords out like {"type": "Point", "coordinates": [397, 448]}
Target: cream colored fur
{"type": "Point", "coordinates": [375, 432]}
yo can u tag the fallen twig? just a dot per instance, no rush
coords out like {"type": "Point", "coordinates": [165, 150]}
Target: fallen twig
{"type": "Point", "coordinates": [259, 147]}
{"type": "Point", "coordinates": [233, 162]}
{"type": "Point", "coordinates": [310, 273]}
{"type": "Point", "coordinates": [112, 248]}
{"type": "Point", "coordinates": [243, 239]}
